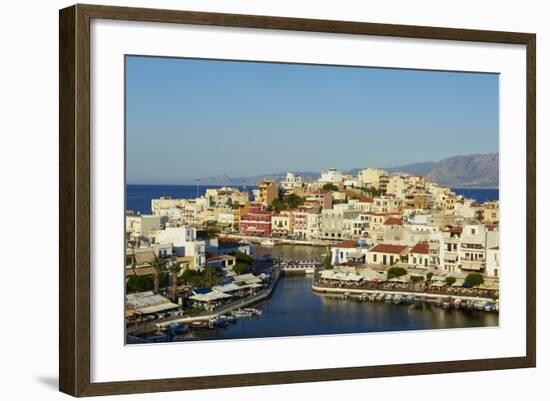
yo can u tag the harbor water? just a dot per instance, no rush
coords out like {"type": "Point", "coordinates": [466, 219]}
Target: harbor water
{"type": "Point", "coordinates": [295, 310]}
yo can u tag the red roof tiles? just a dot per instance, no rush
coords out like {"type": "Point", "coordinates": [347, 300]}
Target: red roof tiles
{"type": "Point", "coordinates": [421, 247]}
{"type": "Point", "coordinates": [388, 248]}
{"type": "Point", "coordinates": [346, 244]}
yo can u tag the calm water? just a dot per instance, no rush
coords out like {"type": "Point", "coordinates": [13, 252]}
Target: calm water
{"type": "Point", "coordinates": [138, 197]}
{"type": "Point", "coordinates": [295, 310]}
{"type": "Point", "coordinates": [480, 195]}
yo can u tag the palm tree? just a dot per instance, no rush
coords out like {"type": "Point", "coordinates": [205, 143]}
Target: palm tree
{"type": "Point", "coordinates": [158, 265]}
{"type": "Point", "coordinates": [174, 270]}
{"type": "Point", "coordinates": [210, 277]}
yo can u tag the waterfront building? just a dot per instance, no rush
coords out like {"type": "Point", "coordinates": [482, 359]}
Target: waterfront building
{"type": "Point", "coordinates": [226, 246]}
{"type": "Point", "coordinates": [350, 251]}
{"type": "Point", "coordinates": [282, 223]}
{"type": "Point", "coordinates": [257, 222]}
{"type": "Point", "coordinates": [184, 242]}
{"type": "Point", "coordinates": [337, 223]}
{"type": "Point", "coordinates": [471, 251]}
{"type": "Point", "coordinates": [387, 254]}
{"type": "Point", "coordinates": [221, 261]}
{"type": "Point", "coordinates": [493, 262]}
{"type": "Point", "coordinates": [313, 224]}
{"type": "Point", "coordinates": [419, 256]}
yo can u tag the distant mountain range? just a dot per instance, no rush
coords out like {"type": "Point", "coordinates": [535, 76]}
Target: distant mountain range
{"type": "Point", "coordinates": [470, 171]}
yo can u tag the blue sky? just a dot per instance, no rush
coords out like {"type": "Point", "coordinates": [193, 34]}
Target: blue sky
{"type": "Point", "coordinates": [189, 118]}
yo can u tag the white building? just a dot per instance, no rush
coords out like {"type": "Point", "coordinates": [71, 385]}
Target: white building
{"type": "Point", "coordinates": [492, 268]}
{"type": "Point", "coordinates": [332, 176]}
{"type": "Point", "coordinates": [184, 242]}
{"type": "Point", "coordinates": [292, 181]}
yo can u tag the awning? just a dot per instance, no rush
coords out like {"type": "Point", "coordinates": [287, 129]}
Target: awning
{"type": "Point", "coordinates": [209, 297]}
{"type": "Point", "coordinates": [157, 308]}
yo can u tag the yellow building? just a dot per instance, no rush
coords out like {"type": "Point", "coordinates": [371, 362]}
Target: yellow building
{"type": "Point", "coordinates": [268, 192]}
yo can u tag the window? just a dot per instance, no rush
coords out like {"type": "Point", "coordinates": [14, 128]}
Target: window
{"type": "Point", "coordinates": [374, 257]}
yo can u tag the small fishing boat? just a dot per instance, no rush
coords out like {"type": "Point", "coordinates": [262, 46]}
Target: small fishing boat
{"type": "Point", "coordinates": [409, 299]}
{"type": "Point", "coordinates": [479, 305]}
{"type": "Point", "coordinates": [388, 298]}
{"type": "Point", "coordinates": [198, 325]}
{"type": "Point", "coordinates": [439, 302]}
{"type": "Point", "coordinates": [397, 299]}
{"type": "Point", "coordinates": [228, 318]}
{"type": "Point", "coordinates": [267, 242]}
{"type": "Point", "coordinates": [372, 297]}
{"type": "Point", "coordinates": [253, 311]}
{"type": "Point", "coordinates": [446, 304]}
{"type": "Point", "coordinates": [239, 313]}
{"type": "Point", "coordinates": [488, 307]}
{"type": "Point", "coordinates": [217, 322]}
{"type": "Point", "coordinates": [178, 328]}
{"type": "Point", "coordinates": [457, 303]}
{"type": "Point", "coordinates": [496, 306]}
{"type": "Point", "coordinates": [380, 297]}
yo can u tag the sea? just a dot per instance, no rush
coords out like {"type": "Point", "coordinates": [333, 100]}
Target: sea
{"type": "Point", "coordinates": [138, 197]}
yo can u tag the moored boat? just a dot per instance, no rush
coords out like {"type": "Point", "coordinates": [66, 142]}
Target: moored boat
{"type": "Point", "coordinates": [178, 328]}
{"type": "Point", "coordinates": [238, 313]}
{"type": "Point", "coordinates": [198, 325]}
{"type": "Point", "coordinates": [409, 299]}
{"type": "Point", "coordinates": [397, 299]}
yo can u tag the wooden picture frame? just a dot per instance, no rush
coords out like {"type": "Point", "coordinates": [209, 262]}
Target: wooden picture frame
{"type": "Point", "coordinates": [75, 208]}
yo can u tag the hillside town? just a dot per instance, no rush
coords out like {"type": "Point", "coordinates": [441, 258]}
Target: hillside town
{"type": "Point", "coordinates": [379, 230]}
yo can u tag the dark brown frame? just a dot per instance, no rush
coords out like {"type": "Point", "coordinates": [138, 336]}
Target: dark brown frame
{"type": "Point", "coordinates": [74, 199]}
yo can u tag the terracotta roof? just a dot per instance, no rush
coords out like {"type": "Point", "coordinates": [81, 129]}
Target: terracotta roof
{"type": "Point", "coordinates": [346, 244]}
{"type": "Point", "coordinates": [393, 221]}
{"type": "Point", "coordinates": [421, 247]}
{"type": "Point", "coordinates": [388, 248]}
{"type": "Point", "coordinates": [367, 199]}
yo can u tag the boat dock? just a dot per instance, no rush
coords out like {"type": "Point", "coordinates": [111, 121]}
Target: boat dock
{"type": "Point", "coordinates": [238, 304]}
{"type": "Point", "coordinates": [430, 297]}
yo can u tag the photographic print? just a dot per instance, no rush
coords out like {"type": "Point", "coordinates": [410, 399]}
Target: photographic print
{"type": "Point", "coordinates": [278, 199]}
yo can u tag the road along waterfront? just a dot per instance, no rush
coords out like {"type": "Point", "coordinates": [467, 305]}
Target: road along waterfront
{"type": "Point", "coordinates": [294, 309]}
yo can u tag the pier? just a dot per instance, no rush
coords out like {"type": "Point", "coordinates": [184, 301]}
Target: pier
{"type": "Point", "coordinates": [427, 295]}
{"type": "Point", "coordinates": [261, 295]}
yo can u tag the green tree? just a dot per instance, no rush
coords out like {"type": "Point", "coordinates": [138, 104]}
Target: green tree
{"type": "Point", "coordinates": [243, 258]}
{"type": "Point", "coordinates": [330, 187]}
{"type": "Point", "coordinates": [292, 201]}
{"type": "Point", "coordinates": [139, 284]}
{"type": "Point", "coordinates": [417, 279]}
{"type": "Point", "coordinates": [474, 279]}
{"type": "Point", "coordinates": [241, 268]}
{"type": "Point", "coordinates": [174, 270]}
{"type": "Point", "coordinates": [327, 261]}
{"type": "Point", "coordinates": [158, 264]}
{"type": "Point", "coordinates": [450, 280]}
{"type": "Point", "coordinates": [396, 272]}
{"type": "Point", "coordinates": [429, 276]}
{"type": "Point", "coordinates": [211, 277]}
